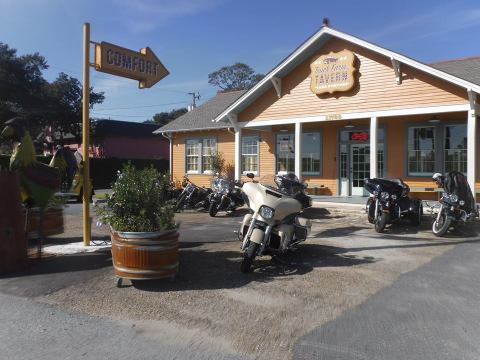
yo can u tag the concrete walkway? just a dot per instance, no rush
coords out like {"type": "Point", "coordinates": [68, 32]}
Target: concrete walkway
{"type": "Point", "coordinates": [432, 313]}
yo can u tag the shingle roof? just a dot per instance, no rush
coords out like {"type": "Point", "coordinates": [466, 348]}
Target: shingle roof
{"type": "Point", "coordinates": [201, 117]}
{"type": "Point", "coordinates": [467, 68]}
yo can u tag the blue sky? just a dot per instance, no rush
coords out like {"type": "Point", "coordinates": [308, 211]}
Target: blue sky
{"type": "Point", "coordinates": [195, 37]}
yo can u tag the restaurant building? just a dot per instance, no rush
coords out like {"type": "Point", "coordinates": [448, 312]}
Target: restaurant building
{"type": "Point", "coordinates": [338, 110]}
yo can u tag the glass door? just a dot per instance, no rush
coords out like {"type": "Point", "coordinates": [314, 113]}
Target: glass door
{"type": "Point", "coordinates": [359, 168]}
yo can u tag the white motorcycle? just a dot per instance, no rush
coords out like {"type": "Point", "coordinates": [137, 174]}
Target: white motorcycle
{"type": "Point", "coordinates": [274, 225]}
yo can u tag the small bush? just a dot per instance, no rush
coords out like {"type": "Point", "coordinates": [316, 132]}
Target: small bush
{"type": "Point", "coordinates": [139, 202]}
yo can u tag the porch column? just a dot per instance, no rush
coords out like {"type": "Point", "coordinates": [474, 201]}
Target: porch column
{"type": "Point", "coordinates": [298, 150]}
{"type": "Point", "coordinates": [471, 161]}
{"type": "Point", "coordinates": [373, 147]}
{"type": "Point", "coordinates": [238, 154]}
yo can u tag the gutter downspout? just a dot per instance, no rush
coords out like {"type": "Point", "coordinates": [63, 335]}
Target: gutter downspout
{"type": "Point", "coordinates": [169, 137]}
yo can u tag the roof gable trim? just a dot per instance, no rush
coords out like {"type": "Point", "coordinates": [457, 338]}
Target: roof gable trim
{"type": "Point", "coordinates": [352, 39]}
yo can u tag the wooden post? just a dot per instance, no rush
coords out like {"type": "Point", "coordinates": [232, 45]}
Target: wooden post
{"type": "Point", "coordinates": [86, 134]}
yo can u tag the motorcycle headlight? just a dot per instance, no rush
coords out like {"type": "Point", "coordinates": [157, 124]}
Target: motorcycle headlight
{"type": "Point", "coordinates": [384, 195]}
{"type": "Point", "coordinates": [461, 202]}
{"type": "Point", "coordinates": [453, 198]}
{"type": "Point", "coordinates": [266, 212]}
{"type": "Point", "coordinates": [394, 197]}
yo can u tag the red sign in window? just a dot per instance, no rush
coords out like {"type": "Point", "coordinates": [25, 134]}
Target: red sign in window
{"type": "Point", "coordinates": [359, 136]}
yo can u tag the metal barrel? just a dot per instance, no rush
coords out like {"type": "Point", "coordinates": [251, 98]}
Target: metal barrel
{"type": "Point", "coordinates": [53, 222]}
{"type": "Point", "coordinates": [145, 255]}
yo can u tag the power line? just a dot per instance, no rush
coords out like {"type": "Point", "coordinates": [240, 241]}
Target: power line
{"type": "Point", "coordinates": [97, 75]}
{"type": "Point", "coordinates": [103, 114]}
{"type": "Point", "coordinates": [142, 106]}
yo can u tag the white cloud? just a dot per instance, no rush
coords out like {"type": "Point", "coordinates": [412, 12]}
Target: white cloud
{"type": "Point", "coordinates": [146, 15]}
{"type": "Point", "coordinates": [438, 21]}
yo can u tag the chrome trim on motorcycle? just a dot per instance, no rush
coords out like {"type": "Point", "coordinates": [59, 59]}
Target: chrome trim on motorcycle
{"type": "Point", "coordinates": [246, 239]}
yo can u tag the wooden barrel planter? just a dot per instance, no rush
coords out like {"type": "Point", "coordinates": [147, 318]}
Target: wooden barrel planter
{"type": "Point", "coordinates": [53, 223]}
{"type": "Point", "coordinates": [13, 245]}
{"type": "Point", "coordinates": [144, 255]}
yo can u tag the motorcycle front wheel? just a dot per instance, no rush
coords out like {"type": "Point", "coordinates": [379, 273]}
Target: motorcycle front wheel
{"type": "Point", "coordinates": [382, 220]}
{"type": "Point", "coordinates": [249, 256]}
{"type": "Point", "coordinates": [179, 203]}
{"type": "Point", "coordinates": [441, 224]}
{"type": "Point", "coordinates": [213, 208]}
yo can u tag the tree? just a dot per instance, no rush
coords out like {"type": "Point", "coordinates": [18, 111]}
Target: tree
{"type": "Point", "coordinates": [238, 76]}
{"type": "Point", "coordinates": [164, 118]}
{"type": "Point", "coordinates": [24, 92]}
{"type": "Point", "coordinates": [64, 111]}
{"type": "Point", "coordinates": [22, 86]}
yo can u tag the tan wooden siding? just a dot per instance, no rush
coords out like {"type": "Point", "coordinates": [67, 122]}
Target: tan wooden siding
{"type": "Point", "coordinates": [376, 90]}
{"type": "Point", "coordinates": [225, 145]}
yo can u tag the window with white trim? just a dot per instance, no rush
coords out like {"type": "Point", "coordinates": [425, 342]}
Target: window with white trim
{"type": "Point", "coordinates": [198, 155]}
{"type": "Point", "coordinates": [455, 148]}
{"type": "Point", "coordinates": [285, 153]}
{"type": "Point", "coordinates": [250, 154]}
{"type": "Point", "coordinates": [311, 156]}
{"type": "Point", "coordinates": [421, 150]}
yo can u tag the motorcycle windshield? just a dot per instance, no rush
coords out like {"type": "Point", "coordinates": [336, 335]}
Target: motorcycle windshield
{"type": "Point", "coordinates": [395, 186]}
{"type": "Point", "coordinates": [456, 183]}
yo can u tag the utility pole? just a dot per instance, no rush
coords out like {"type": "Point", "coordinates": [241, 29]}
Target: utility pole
{"type": "Point", "coordinates": [195, 96]}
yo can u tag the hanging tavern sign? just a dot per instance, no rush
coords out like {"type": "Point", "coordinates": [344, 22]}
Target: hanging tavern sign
{"type": "Point", "coordinates": [332, 72]}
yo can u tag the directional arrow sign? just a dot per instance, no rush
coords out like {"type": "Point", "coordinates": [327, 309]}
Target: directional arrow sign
{"type": "Point", "coordinates": [143, 66]}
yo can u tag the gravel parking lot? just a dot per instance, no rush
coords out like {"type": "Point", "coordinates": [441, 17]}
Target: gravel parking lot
{"type": "Point", "coordinates": [212, 305]}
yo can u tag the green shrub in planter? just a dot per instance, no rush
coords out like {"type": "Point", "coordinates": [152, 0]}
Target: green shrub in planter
{"type": "Point", "coordinates": [139, 202]}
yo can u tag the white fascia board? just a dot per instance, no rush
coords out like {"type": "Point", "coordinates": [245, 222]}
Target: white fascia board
{"type": "Point", "coordinates": [198, 129]}
{"type": "Point", "coordinates": [271, 74]}
{"type": "Point", "coordinates": [360, 115]}
{"type": "Point", "coordinates": [365, 44]}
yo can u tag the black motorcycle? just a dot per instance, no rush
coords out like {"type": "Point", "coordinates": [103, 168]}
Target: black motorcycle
{"type": "Point", "coordinates": [457, 205]}
{"type": "Point", "coordinates": [226, 196]}
{"type": "Point", "coordinates": [390, 203]}
{"type": "Point", "coordinates": [192, 196]}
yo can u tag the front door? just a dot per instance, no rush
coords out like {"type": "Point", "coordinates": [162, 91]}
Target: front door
{"type": "Point", "coordinates": [359, 167]}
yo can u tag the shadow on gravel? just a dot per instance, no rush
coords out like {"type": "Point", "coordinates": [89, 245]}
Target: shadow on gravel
{"type": "Point", "coordinates": [208, 270]}
{"type": "Point", "coordinates": [320, 213]}
{"type": "Point", "coordinates": [63, 264]}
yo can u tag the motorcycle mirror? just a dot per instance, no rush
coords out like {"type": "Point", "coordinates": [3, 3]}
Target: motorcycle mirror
{"type": "Point", "coordinates": [250, 175]}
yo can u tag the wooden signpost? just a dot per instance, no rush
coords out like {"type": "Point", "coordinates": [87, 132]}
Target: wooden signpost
{"type": "Point", "coordinates": [143, 66]}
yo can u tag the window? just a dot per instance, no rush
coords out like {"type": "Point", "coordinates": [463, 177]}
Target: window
{"type": "Point", "coordinates": [421, 151]}
{"type": "Point", "coordinates": [285, 153]}
{"type": "Point", "coordinates": [455, 150]}
{"type": "Point", "coordinates": [198, 155]}
{"type": "Point", "coordinates": [250, 154]}
{"type": "Point", "coordinates": [209, 148]}
{"type": "Point", "coordinates": [311, 157]}
{"type": "Point", "coordinates": [192, 151]}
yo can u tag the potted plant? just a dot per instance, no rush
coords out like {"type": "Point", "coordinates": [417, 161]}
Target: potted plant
{"type": "Point", "coordinates": [143, 232]}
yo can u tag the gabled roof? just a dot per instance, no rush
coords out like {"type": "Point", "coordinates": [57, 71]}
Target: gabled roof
{"type": "Point", "coordinates": [202, 117]}
{"type": "Point", "coordinates": [466, 68]}
{"type": "Point", "coordinates": [313, 44]}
